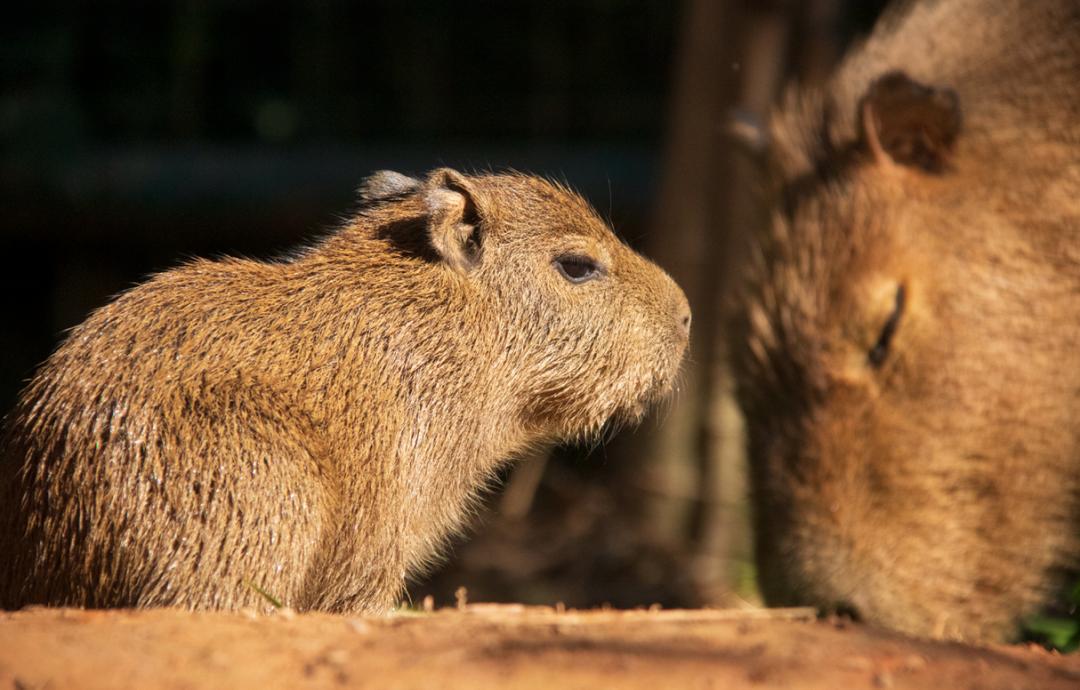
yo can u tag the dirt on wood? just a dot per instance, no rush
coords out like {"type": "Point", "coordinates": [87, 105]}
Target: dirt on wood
{"type": "Point", "coordinates": [497, 646]}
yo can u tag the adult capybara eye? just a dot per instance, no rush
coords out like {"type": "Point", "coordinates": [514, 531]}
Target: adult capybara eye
{"type": "Point", "coordinates": [881, 347]}
{"type": "Point", "coordinates": [576, 268]}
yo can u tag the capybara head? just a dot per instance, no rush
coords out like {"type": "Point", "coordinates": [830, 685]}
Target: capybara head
{"type": "Point", "coordinates": [315, 427]}
{"type": "Point", "coordinates": [586, 330]}
{"type": "Point", "coordinates": [906, 346]}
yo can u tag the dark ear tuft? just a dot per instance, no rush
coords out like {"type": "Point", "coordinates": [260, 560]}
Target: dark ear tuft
{"type": "Point", "coordinates": [908, 123]}
{"type": "Point", "coordinates": [386, 184]}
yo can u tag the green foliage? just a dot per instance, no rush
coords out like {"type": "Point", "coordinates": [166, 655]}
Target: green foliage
{"type": "Point", "coordinates": [1059, 632]}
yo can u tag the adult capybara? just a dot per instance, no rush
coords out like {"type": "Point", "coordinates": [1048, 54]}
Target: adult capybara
{"type": "Point", "coordinates": [907, 351]}
{"type": "Point", "coordinates": [314, 427]}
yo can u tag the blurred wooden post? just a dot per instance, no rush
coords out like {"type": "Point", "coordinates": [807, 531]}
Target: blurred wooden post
{"type": "Point", "coordinates": [724, 544]}
{"type": "Point", "coordinates": [682, 240]}
{"type": "Point", "coordinates": [733, 54]}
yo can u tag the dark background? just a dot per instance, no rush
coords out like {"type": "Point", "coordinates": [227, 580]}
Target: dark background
{"type": "Point", "coordinates": [136, 134]}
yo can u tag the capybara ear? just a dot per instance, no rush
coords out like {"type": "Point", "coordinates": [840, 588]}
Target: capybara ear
{"type": "Point", "coordinates": [385, 184]}
{"type": "Point", "coordinates": [907, 123]}
{"type": "Point", "coordinates": [453, 222]}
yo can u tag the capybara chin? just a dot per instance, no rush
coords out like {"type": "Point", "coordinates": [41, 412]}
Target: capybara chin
{"type": "Point", "coordinates": [907, 345]}
{"type": "Point", "coordinates": [313, 428]}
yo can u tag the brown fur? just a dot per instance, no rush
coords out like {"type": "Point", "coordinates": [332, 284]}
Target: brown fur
{"type": "Point", "coordinates": [931, 484]}
{"type": "Point", "coordinates": [316, 426]}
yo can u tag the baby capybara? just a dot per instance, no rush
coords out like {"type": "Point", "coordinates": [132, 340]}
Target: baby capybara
{"type": "Point", "coordinates": [313, 428]}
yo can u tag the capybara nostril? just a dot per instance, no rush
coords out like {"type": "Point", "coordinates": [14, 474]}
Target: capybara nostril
{"type": "Point", "coordinates": [680, 309]}
{"type": "Point", "coordinates": [845, 610]}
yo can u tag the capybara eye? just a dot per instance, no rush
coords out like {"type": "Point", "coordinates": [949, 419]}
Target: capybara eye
{"type": "Point", "coordinates": [881, 347]}
{"type": "Point", "coordinates": [577, 269]}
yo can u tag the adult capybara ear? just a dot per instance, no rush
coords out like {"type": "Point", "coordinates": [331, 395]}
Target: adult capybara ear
{"type": "Point", "coordinates": [386, 184]}
{"type": "Point", "coordinates": [453, 221]}
{"type": "Point", "coordinates": [907, 123]}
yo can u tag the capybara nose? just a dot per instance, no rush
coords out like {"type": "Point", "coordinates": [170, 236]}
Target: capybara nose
{"type": "Point", "coordinates": [682, 314]}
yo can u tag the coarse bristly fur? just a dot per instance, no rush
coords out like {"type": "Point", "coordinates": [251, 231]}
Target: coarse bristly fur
{"type": "Point", "coordinates": [314, 428]}
{"type": "Point", "coordinates": [906, 343]}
